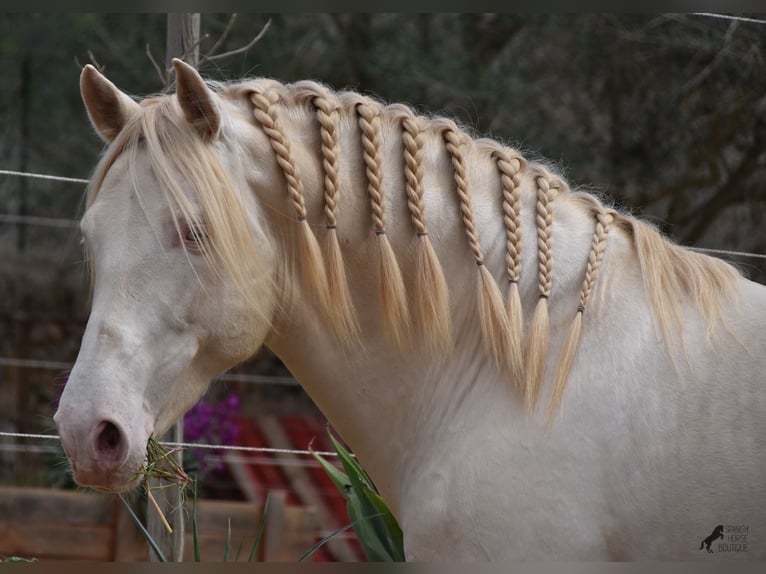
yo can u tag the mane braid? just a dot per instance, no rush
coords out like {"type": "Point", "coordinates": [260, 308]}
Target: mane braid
{"type": "Point", "coordinates": [537, 342]}
{"type": "Point", "coordinates": [310, 256]}
{"type": "Point", "coordinates": [604, 220]}
{"type": "Point", "coordinates": [509, 167]}
{"type": "Point", "coordinates": [396, 318]}
{"type": "Point", "coordinates": [327, 109]}
{"type": "Point", "coordinates": [494, 321]}
{"type": "Point", "coordinates": [430, 287]}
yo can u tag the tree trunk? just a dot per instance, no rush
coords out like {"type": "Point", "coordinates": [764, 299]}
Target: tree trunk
{"type": "Point", "coordinates": [182, 40]}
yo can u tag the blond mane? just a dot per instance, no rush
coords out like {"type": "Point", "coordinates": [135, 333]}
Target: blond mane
{"type": "Point", "coordinates": [174, 147]}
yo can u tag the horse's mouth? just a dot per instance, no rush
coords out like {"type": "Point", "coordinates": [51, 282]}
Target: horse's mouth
{"type": "Point", "coordinates": [107, 482]}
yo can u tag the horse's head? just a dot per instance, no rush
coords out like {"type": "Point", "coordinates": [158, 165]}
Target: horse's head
{"type": "Point", "coordinates": [183, 278]}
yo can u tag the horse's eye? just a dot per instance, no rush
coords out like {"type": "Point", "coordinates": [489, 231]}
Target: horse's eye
{"type": "Point", "coordinates": [195, 235]}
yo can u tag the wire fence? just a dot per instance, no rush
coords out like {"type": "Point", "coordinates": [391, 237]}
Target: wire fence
{"type": "Point", "coordinates": [247, 378]}
{"type": "Point", "coordinates": [72, 223]}
{"type": "Point", "coordinates": [226, 377]}
{"type": "Point", "coordinates": [203, 446]}
{"type": "Point", "coordinates": [43, 176]}
{"type": "Point", "coordinates": [730, 17]}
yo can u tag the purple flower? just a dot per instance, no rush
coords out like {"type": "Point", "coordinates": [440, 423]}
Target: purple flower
{"type": "Point", "coordinates": [212, 423]}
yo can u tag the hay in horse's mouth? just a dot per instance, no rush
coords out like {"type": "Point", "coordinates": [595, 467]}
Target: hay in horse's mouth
{"type": "Point", "coordinates": [161, 465]}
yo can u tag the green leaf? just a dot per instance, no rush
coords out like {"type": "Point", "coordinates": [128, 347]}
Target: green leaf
{"type": "Point", "coordinates": [375, 526]}
{"type": "Point", "coordinates": [195, 533]}
{"type": "Point", "coordinates": [325, 540]}
{"type": "Point", "coordinates": [387, 527]}
{"type": "Point", "coordinates": [228, 540]}
{"type": "Point", "coordinates": [145, 532]}
{"type": "Point", "coordinates": [338, 477]}
{"type": "Point", "coordinates": [366, 529]}
{"type": "Point", "coordinates": [387, 541]}
{"type": "Point", "coordinates": [261, 528]}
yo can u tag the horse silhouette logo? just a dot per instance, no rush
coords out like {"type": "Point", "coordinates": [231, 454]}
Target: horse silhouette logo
{"type": "Point", "coordinates": [717, 533]}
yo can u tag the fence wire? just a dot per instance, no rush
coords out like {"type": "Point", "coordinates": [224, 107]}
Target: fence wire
{"type": "Point", "coordinates": [256, 379]}
{"type": "Point", "coordinates": [188, 445]}
{"type": "Point", "coordinates": [72, 223]}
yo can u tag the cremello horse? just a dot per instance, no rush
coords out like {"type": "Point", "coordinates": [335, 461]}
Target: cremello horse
{"type": "Point", "coordinates": [525, 372]}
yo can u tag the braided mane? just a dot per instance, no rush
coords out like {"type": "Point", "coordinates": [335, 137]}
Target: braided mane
{"type": "Point", "coordinates": [667, 269]}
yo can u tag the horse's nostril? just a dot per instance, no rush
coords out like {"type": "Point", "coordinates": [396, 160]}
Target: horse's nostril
{"type": "Point", "coordinates": [108, 438]}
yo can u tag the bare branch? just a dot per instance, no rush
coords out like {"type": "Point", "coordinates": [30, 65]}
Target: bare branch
{"type": "Point", "coordinates": [162, 75]}
{"type": "Point", "coordinates": [195, 46]}
{"type": "Point", "coordinates": [252, 43]}
{"type": "Point", "coordinates": [222, 37]}
{"type": "Point", "coordinates": [722, 53]}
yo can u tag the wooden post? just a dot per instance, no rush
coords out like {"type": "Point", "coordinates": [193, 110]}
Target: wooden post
{"type": "Point", "coordinates": [182, 42]}
{"type": "Point", "coordinates": [169, 498]}
{"type": "Point", "coordinates": [273, 534]}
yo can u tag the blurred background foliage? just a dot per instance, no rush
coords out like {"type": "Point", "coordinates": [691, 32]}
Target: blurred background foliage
{"type": "Point", "coordinates": [665, 114]}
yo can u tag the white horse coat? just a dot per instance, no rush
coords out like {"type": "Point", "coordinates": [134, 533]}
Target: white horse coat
{"type": "Point", "coordinates": [661, 435]}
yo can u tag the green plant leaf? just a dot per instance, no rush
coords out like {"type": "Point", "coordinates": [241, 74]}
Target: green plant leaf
{"type": "Point", "coordinates": [375, 526]}
{"type": "Point", "coordinates": [338, 477]}
{"type": "Point", "coordinates": [195, 533]}
{"type": "Point", "coordinates": [366, 528]}
{"type": "Point", "coordinates": [324, 541]}
{"type": "Point", "coordinates": [387, 541]}
{"type": "Point", "coordinates": [261, 528]}
{"type": "Point", "coordinates": [145, 532]}
{"type": "Point", "coordinates": [228, 540]}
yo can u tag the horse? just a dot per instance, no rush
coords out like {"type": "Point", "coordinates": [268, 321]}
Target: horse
{"type": "Point", "coordinates": [524, 371]}
{"type": "Point", "coordinates": [715, 535]}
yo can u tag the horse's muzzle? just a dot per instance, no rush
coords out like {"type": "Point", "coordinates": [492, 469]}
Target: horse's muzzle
{"type": "Point", "coordinates": [101, 457]}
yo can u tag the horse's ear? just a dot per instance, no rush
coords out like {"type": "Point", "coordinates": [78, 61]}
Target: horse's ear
{"type": "Point", "coordinates": [109, 109]}
{"type": "Point", "coordinates": [196, 100]}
